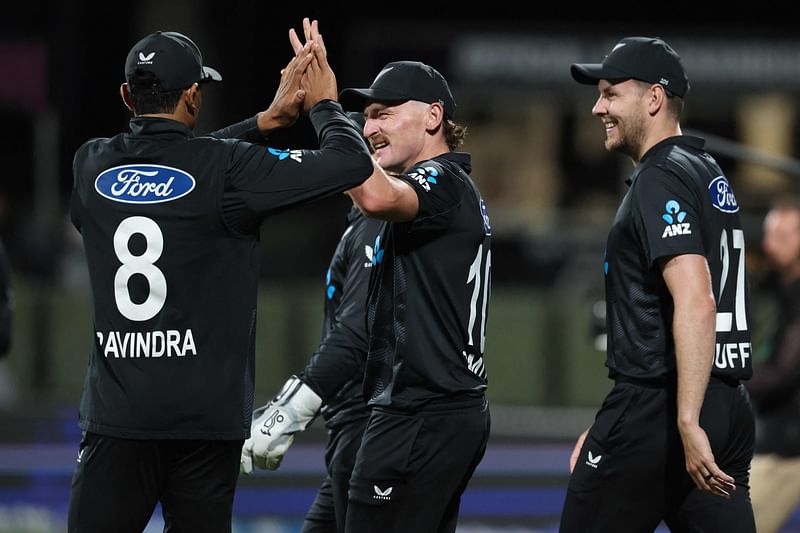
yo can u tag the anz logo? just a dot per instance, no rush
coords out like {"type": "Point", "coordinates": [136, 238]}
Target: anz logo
{"type": "Point", "coordinates": [376, 253]}
{"type": "Point", "coordinates": [295, 155]}
{"type": "Point", "coordinates": [144, 184]}
{"type": "Point", "coordinates": [425, 176]}
{"type": "Point", "coordinates": [330, 288]}
{"type": "Point", "coordinates": [674, 218]}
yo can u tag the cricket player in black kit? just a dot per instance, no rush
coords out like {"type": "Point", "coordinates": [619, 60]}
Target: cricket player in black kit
{"type": "Point", "coordinates": [674, 437]}
{"type": "Point", "coordinates": [427, 307]}
{"type": "Point", "coordinates": [331, 382]}
{"type": "Point", "coordinates": [170, 224]}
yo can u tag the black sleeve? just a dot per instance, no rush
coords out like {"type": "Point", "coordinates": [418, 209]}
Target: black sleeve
{"type": "Point", "coordinates": [440, 191]}
{"type": "Point", "coordinates": [261, 181]}
{"type": "Point", "coordinates": [246, 130]}
{"type": "Point", "coordinates": [5, 303]}
{"type": "Point", "coordinates": [342, 353]}
{"type": "Point", "coordinates": [662, 199]}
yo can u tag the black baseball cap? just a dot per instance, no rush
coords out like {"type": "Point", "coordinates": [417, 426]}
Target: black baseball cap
{"type": "Point", "coordinates": [172, 57]}
{"type": "Point", "coordinates": [647, 59]}
{"type": "Point", "coordinates": [400, 81]}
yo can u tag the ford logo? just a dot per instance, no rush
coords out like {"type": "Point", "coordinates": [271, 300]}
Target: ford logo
{"type": "Point", "coordinates": [722, 195]}
{"type": "Point", "coordinates": [144, 184]}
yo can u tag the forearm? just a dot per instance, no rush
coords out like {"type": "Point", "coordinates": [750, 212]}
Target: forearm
{"type": "Point", "coordinates": [693, 329]}
{"type": "Point", "coordinates": [694, 333]}
{"type": "Point", "coordinates": [339, 360]}
{"type": "Point", "coordinates": [246, 130]}
{"type": "Point", "coordinates": [386, 198]}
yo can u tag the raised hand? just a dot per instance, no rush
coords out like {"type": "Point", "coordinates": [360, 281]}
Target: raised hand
{"type": "Point", "coordinates": [311, 33]}
{"type": "Point", "coordinates": [319, 81]}
{"type": "Point", "coordinates": [288, 101]}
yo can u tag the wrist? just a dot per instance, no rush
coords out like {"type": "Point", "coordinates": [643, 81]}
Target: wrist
{"type": "Point", "coordinates": [300, 398]}
{"type": "Point", "coordinates": [266, 122]}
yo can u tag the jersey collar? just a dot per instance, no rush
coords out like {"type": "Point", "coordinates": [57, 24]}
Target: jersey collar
{"type": "Point", "coordinates": [158, 126]}
{"type": "Point", "coordinates": [677, 140]}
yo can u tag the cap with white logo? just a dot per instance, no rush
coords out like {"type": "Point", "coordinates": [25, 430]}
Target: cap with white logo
{"type": "Point", "coordinates": [647, 59]}
{"type": "Point", "coordinates": [174, 60]}
{"type": "Point", "coordinates": [400, 81]}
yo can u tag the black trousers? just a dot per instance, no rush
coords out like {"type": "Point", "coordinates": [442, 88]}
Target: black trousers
{"type": "Point", "coordinates": [118, 482]}
{"type": "Point", "coordinates": [329, 509]}
{"type": "Point", "coordinates": [631, 471]}
{"type": "Point", "coordinates": [412, 469]}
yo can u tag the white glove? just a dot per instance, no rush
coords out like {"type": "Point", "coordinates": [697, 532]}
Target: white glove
{"type": "Point", "coordinates": [275, 424]}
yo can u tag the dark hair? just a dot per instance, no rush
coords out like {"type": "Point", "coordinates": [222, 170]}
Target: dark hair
{"type": "Point", "coordinates": [674, 102]}
{"type": "Point", "coordinates": [453, 134]}
{"type": "Point", "coordinates": [674, 105]}
{"type": "Point", "coordinates": [145, 89]}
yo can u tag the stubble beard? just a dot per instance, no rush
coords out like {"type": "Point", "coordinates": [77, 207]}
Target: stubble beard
{"type": "Point", "coordinates": [630, 134]}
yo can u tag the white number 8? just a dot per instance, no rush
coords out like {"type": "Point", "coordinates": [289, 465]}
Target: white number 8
{"type": "Point", "coordinates": [139, 264]}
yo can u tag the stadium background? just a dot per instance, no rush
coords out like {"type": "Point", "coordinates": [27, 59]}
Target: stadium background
{"type": "Point", "coordinates": [550, 187]}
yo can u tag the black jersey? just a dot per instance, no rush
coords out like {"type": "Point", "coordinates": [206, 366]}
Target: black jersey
{"type": "Point", "coordinates": [679, 202]}
{"type": "Point", "coordinates": [429, 292]}
{"type": "Point", "coordinates": [170, 228]}
{"type": "Point", "coordinates": [336, 370]}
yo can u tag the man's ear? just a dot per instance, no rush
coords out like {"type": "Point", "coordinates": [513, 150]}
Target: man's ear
{"type": "Point", "coordinates": [658, 98]}
{"type": "Point", "coordinates": [435, 116]}
{"type": "Point", "coordinates": [193, 98]}
{"type": "Point", "coordinates": [125, 93]}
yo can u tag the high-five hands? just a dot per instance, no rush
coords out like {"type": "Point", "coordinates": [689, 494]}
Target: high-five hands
{"type": "Point", "coordinates": [292, 97]}
{"type": "Point", "coordinates": [319, 82]}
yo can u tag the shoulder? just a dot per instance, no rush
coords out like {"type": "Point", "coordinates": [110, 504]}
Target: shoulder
{"type": "Point", "coordinates": [446, 166]}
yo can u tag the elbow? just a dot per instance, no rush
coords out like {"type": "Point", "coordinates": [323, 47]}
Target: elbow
{"type": "Point", "coordinates": [706, 311]}
{"type": "Point", "coordinates": [372, 205]}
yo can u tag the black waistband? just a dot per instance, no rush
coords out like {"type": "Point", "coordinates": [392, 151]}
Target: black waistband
{"type": "Point", "coordinates": [671, 380]}
{"type": "Point", "coordinates": [442, 405]}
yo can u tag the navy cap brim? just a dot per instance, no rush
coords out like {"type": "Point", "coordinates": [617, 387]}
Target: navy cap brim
{"type": "Point", "coordinates": [210, 74]}
{"type": "Point", "coordinates": [592, 73]}
{"type": "Point", "coordinates": [356, 99]}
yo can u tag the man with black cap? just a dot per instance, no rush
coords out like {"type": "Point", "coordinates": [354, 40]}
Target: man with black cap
{"type": "Point", "coordinates": [331, 383]}
{"type": "Point", "coordinates": [673, 439]}
{"type": "Point", "coordinates": [170, 224]}
{"type": "Point", "coordinates": [427, 306]}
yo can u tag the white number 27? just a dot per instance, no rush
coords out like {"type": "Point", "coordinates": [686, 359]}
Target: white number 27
{"type": "Point", "coordinates": [725, 319]}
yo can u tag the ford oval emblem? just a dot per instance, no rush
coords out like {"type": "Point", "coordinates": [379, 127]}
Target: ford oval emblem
{"type": "Point", "coordinates": [722, 195]}
{"type": "Point", "coordinates": [144, 184]}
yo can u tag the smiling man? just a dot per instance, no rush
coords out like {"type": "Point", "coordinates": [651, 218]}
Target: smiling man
{"type": "Point", "coordinates": [674, 437]}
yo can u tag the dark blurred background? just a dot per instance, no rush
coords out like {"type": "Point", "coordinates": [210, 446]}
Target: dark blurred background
{"type": "Point", "coordinates": [550, 187]}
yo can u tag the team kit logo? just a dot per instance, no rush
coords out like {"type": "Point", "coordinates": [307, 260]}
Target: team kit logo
{"type": "Point", "coordinates": [675, 217]}
{"type": "Point", "coordinates": [382, 494]}
{"type": "Point", "coordinates": [144, 184]}
{"type": "Point", "coordinates": [294, 155]}
{"type": "Point", "coordinates": [425, 176]}
{"type": "Point", "coordinates": [722, 196]}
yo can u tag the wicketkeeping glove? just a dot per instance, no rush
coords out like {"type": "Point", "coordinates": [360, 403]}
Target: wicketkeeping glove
{"type": "Point", "coordinates": [275, 425]}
